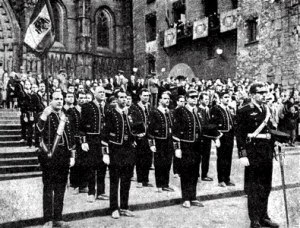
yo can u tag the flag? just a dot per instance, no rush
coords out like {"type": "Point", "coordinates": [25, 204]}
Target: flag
{"type": "Point", "coordinates": [200, 28]}
{"type": "Point", "coordinates": [170, 37]}
{"type": "Point", "coordinates": [228, 20]}
{"type": "Point", "coordinates": [40, 33]}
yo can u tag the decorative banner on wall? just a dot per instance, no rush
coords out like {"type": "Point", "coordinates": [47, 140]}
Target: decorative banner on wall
{"type": "Point", "coordinates": [151, 47]}
{"type": "Point", "coordinates": [170, 37]}
{"type": "Point", "coordinates": [228, 20]}
{"type": "Point", "coordinates": [200, 28]}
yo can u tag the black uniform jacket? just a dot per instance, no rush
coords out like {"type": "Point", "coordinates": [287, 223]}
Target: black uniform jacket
{"type": "Point", "coordinates": [249, 118]}
{"type": "Point", "coordinates": [159, 127]}
{"type": "Point", "coordinates": [222, 118]}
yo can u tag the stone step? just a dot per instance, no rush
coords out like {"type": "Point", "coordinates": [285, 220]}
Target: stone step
{"type": "Point", "coordinates": [10, 118]}
{"type": "Point", "coordinates": [9, 122]}
{"type": "Point", "coordinates": [9, 132]}
{"type": "Point", "coordinates": [5, 138]}
{"type": "Point", "coordinates": [13, 114]}
{"type": "Point", "coordinates": [23, 154]}
{"type": "Point", "coordinates": [18, 161]}
{"type": "Point", "coordinates": [10, 126]}
{"type": "Point", "coordinates": [4, 110]}
{"type": "Point", "coordinates": [12, 144]}
{"type": "Point", "coordinates": [14, 176]}
{"type": "Point", "coordinates": [19, 169]}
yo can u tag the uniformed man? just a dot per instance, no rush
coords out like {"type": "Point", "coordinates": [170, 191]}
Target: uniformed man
{"type": "Point", "coordinates": [56, 156]}
{"type": "Point", "coordinates": [28, 113]}
{"type": "Point", "coordinates": [222, 117]}
{"type": "Point", "coordinates": [119, 152]}
{"type": "Point", "coordinates": [144, 154]}
{"type": "Point", "coordinates": [256, 151]}
{"type": "Point", "coordinates": [161, 143]}
{"type": "Point", "coordinates": [187, 134]}
{"type": "Point", "coordinates": [205, 113]}
{"type": "Point", "coordinates": [91, 125]}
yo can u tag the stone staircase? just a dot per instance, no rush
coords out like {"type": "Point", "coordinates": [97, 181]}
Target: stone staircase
{"type": "Point", "coordinates": [16, 159]}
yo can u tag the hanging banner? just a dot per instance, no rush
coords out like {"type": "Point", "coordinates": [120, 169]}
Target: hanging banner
{"type": "Point", "coordinates": [170, 37]}
{"type": "Point", "coordinates": [228, 20]}
{"type": "Point", "coordinates": [200, 28]}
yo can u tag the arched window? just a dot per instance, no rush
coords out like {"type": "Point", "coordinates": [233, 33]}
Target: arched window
{"type": "Point", "coordinates": [57, 22]}
{"type": "Point", "coordinates": [103, 30]}
{"type": "Point", "coordinates": [105, 34]}
{"type": "Point", "coordinates": [59, 13]}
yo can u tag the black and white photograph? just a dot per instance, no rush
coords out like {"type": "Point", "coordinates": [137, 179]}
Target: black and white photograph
{"type": "Point", "coordinates": [149, 113]}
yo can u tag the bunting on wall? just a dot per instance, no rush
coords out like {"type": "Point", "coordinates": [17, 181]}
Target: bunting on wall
{"type": "Point", "coordinates": [170, 37]}
{"type": "Point", "coordinates": [228, 20]}
{"type": "Point", "coordinates": [200, 28]}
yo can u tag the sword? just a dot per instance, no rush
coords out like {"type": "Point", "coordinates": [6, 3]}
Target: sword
{"type": "Point", "coordinates": [281, 161]}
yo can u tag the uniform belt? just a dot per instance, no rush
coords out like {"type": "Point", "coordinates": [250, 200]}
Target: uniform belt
{"type": "Point", "coordinates": [260, 136]}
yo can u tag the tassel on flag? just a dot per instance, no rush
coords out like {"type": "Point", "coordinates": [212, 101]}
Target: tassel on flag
{"type": "Point", "coordinates": [40, 33]}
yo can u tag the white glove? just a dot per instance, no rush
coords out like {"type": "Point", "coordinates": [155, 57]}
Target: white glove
{"type": "Point", "coordinates": [47, 111]}
{"type": "Point", "coordinates": [153, 149]}
{"type": "Point", "coordinates": [244, 161]}
{"type": "Point", "coordinates": [106, 159]}
{"type": "Point", "coordinates": [141, 135]}
{"type": "Point", "coordinates": [217, 143]}
{"type": "Point", "coordinates": [72, 162]}
{"type": "Point", "coordinates": [85, 147]}
{"type": "Point", "coordinates": [178, 153]}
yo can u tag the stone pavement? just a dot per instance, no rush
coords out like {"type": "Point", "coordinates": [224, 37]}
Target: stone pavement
{"type": "Point", "coordinates": [21, 202]}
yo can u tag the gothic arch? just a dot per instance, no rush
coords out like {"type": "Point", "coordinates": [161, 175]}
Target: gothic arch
{"type": "Point", "coordinates": [10, 37]}
{"type": "Point", "coordinates": [182, 69]}
{"type": "Point", "coordinates": [104, 27]}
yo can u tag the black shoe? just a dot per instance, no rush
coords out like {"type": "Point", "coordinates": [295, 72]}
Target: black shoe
{"type": "Point", "coordinates": [207, 179]}
{"type": "Point", "coordinates": [61, 224]}
{"type": "Point", "coordinates": [230, 183]}
{"type": "Point", "coordinates": [269, 223]}
{"type": "Point", "coordinates": [147, 185]}
{"type": "Point", "coordinates": [255, 224]}
{"type": "Point", "coordinates": [168, 189]}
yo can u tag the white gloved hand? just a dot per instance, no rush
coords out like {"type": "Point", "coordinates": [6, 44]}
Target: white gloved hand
{"type": "Point", "coordinates": [47, 111]}
{"type": "Point", "coordinates": [72, 162]}
{"type": "Point", "coordinates": [106, 159]}
{"type": "Point", "coordinates": [217, 143]}
{"type": "Point", "coordinates": [85, 147]}
{"type": "Point", "coordinates": [178, 153]}
{"type": "Point", "coordinates": [244, 161]}
{"type": "Point", "coordinates": [153, 149]}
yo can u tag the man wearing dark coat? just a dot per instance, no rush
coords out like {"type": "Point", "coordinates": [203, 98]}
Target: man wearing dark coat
{"type": "Point", "coordinates": [256, 149]}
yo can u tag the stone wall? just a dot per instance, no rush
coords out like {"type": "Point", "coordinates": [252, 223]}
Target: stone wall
{"type": "Point", "coordinates": [275, 56]}
{"type": "Point", "coordinates": [187, 52]}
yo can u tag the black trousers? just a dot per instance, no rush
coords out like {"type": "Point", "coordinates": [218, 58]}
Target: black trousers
{"type": "Point", "coordinates": [96, 176]}
{"type": "Point", "coordinates": [55, 181]}
{"type": "Point", "coordinates": [206, 148]}
{"type": "Point", "coordinates": [259, 183]}
{"type": "Point", "coordinates": [143, 160]}
{"type": "Point", "coordinates": [189, 172]}
{"type": "Point", "coordinates": [120, 174]}
{"type": "Point", "coordinates": [163, 162]}
{"type": "Point", "coordinates": [224, 157]}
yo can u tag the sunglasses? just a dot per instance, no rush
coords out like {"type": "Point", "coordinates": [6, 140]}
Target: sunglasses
{"type": "Point", "coordinates": [193, 96]}
{"type": "Point", "coordinates": [262, 92]}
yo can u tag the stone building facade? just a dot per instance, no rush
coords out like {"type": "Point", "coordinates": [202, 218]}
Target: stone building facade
{"type": "Point", "coordinates": [188, 57]}
{"type": "Point", "coordinates": [93, 37]}
{"type": "Point", "coordinates": [268, 41]}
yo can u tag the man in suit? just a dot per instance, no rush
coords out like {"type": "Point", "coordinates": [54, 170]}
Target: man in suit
{"type": "Point", "coordinates": [187, 135]}
{"type": "Point", "coordinates": [256, 151]}
{"type": "Point", "coordinates": [205, 113]}
{"type": "Point", "coordinates": [222, 117]}
{"type": "Point", "coordinates": [91, 126]}
{"type": "Point", "coordinates": [119, 153]}
{"type": "Point", "coordinates": [55, 163]}
{"type": "Point", "coordinates": [161, 143]}
{"type": "Point", "coordinates": [140, 112]}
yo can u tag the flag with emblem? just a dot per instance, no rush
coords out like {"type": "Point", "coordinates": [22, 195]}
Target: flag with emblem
{"type": "Point", "coordinates": [228, 20]}
{"type": "Point", "coordinates": [200, 28]}
{"type": "Point", "coordinates": [170, 37]}
{"type": "Point", "coordinates": [40, 33]}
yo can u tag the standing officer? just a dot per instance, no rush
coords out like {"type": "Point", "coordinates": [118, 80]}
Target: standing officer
{"type": "Point", "coordinates": [56, 156]}
{"type": "Point", "coordinates": [222, 117]}
{"type": "Point", "coordinates": [205, 113]}
{"type": "Point", "coordinates": [161, 143]}
{"type": "Point", "coordinates": [256, 153]}
{"type": "Point", "coordinates": [140, 111]}
{"type": "Point", "coordinates": [187, 133]}
{"type": "Point", "coordinates": [118, 151]}
{"type": "Point", "coordinates": [91, 126]}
